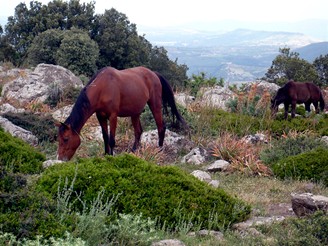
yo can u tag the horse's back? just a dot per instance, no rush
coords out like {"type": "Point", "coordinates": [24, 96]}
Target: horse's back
{"type": "Point", "coordinates": [125, 92]}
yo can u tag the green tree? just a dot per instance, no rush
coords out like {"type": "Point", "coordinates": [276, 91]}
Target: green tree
{"type": "Point", "coordinates": [288, 65]}
{"type": "Point", "coordinates": [27, 23]}
{"type": "Point", "coordinates": [321, 66]}
{"type": "Point", "coordinates": [44, 47]}
{"type": "Point", "coordinates": [77, 52]}
{"type": "Point", "coordinates": [198, 81]}
{"type": "Point", "coordinates": [176, 74]}
{"type": "Point", "coordinates": [120, 45]}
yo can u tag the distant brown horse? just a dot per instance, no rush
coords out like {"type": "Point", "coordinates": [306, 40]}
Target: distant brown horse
{"type": "Point", "coordinates": [110, 94]}
{"type": "Point", "coordinates": [293, 93]}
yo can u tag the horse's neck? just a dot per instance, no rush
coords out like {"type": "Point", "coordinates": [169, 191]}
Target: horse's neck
{"type": "Point", "coordinates": [79, 116]}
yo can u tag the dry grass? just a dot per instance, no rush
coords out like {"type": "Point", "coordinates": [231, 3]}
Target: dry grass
{"type": "Point", "coordinates": [243, 156]}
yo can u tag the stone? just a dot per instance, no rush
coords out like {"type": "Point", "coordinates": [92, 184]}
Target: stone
{"type": "Point", "coordinates": [168, 242]}
{"type": "Point", "coordinates": [202, 176]}
{"type": "Point", "coordinates": [196, 156]}
{"type": "Point", "coordinates": [307, 203]}
{"type": "Point", "coordinates": [218, 166]}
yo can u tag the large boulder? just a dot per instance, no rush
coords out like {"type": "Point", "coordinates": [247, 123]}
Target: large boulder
{"type": "Point", "coordinates": [261, 87]}
{"type": "Point", "coordinates": [26, 85]}
{"type": "Point", "coordinates": [216, 97]}
{"type": "Point", "coordinates": [307, 203]}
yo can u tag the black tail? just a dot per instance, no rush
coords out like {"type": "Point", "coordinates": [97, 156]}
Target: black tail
{"type": "Point", "coordinates": [168, 100]}
{"type": "Point", "coordinates": [322, 102]}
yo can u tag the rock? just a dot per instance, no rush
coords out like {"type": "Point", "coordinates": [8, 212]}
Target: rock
{"type": "Point", "coordinates": [218, 166]}
{"type": "Point", "coordinates": [35, 85]}
{"type": "Point", "coordinates": [172, 139]}
{"type": "Point", "coordinates": [18, 132]}
{"type": "Point", "coordinates": [262, 86]}
{"type": "Point", "coordinates": [61, 114]}
{"type": "Point", "coordinates": [8, 108]}
{"type": "Point", "coordinates": [255, 221]}
{"type": "Point", "coordinates": [307, 203]}
{"type": "Point", "coordinates": [216, 97]}
{"type": "Point", "coordinates": [256, 138]}
{"type": "Point", "coordinates": [214, 183]}
{"type": "Point", "coordinates": [196, 156]}
{"type": "Point", "coordinates": [202, 176]}
{"type": "Point", "coordinates": [168, 242]}
{"type": "Point", "coordinates": [50, 163]}
{"type": "Point", "coordinates": [183, 99]}
{"type": "Point", "coordinates": [216, 234]}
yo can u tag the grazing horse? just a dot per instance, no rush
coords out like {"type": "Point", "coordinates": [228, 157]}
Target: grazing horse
{"type": "Point", "coordinates": [113, 93]}
{"type": "Point", "coordinates": [293, 93]}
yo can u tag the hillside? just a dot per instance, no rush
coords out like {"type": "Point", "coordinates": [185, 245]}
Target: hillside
{"type": "Point", "coordinates": [312, 51]}
{"type": "Point", "coordinates": [241, 55]}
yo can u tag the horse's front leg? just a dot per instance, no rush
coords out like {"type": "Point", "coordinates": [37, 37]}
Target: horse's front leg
{"type": "Point", "coordinates": [137, 131]}
{"type": "Point", "coordinates": [112, 124]}
{"type": "Point", "coordinates": [286, 110]}
{"type": "Point", "coordinates": [104, 128]}
{"type": "Point", "coordinates": [293, 109]}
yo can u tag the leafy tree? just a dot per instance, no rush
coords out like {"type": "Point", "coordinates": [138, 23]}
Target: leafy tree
{"type": "Point", "coordinates": [120, 45]}
{"type": "Point", "coordinates": [198, 81]}
{"type": "Point", "coordinates": [27, 23]}
{"type": "Point", "coordinates": [288, 65]}
{"type": "Point", "coordinates": [321, 66]}
{"type": "Point", "coordinates": [78, 52]}
{"type": "Point", "coordinates": [174, 73]}
{"type": "Point", "coordinates": [44, 47]}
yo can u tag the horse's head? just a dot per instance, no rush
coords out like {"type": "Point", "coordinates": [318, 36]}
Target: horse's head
{"type": "Point", "coordinates": [68, 141]}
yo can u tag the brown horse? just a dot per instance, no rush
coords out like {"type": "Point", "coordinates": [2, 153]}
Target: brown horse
{"type": "Point", "coordinates": [293, 93]}
{"type": "Point", "coordinates": [111, 93]}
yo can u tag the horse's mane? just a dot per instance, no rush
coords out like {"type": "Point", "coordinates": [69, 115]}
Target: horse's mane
{"type": "Point", "coordinates": [81, 105]}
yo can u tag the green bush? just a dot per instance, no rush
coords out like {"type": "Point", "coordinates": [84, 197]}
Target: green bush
{"type": "Point", "coordinates": [17, 156]}
{"type": "Point", "coordinates": [284, 147]}
{"type": "Point", "coordinates": [312, 165]}
{"type": "Point", "coordinates": [43, 127]}
{"type": "Point", "coordinates": [164, 193]}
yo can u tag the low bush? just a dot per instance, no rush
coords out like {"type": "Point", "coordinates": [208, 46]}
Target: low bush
{"type": "Point", "coordinates": [311, 165]}
{"type": "Point", "coordinates": [164, 193]}
{"type": "Point", "coordinates": [17, 156]}
{"type": "Point", "coordinates": [43, 127]}
{"type": "Point", "coordinates": [290, 146]}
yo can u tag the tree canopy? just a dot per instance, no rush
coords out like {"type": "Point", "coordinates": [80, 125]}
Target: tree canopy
{"type": "Point", "coordinates": [289, 66]}
{"type": "Point", "coordinates": [69, 33]}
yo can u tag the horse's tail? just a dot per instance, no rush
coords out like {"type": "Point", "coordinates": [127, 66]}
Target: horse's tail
{"type": "Point", "coordinates": [168, 100]}
{"type": "Point", "coordinates": [322, 102]}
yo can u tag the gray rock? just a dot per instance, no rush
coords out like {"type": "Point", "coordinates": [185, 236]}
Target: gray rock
{"type": "Point", "coordinates": [202, 176]}
{"type": "Point", "coordinates": [196, 156]}
{"type": "Point", "coordinates": [255, 221]}
{"type": "Point", "coordinates": [8, 108]}
{"type": "Point", "coordinates": [307, 203]}
{"type": "Point", "coordinates": [218, 166]}
{"type": "Point", "coordinates": [18, 132]}
{"type": "Point", "coordinates": [216, 97]}
{"type": "Point", "coordinates": [168, 242]}
{"type": "Point", "coordinates": [28, 85]}
{"type": "Point", "coordinates": [183, 99]}
{"type": "Point", "coordinates": [49, 163]}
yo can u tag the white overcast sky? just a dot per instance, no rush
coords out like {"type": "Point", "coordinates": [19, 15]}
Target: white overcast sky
{"type": "Point", "coordinates": [176, 12]}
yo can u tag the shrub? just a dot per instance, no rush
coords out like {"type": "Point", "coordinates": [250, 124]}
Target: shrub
{"type": "Point", "coordinates": [41, 126]}
{"type": "Point", "coordinates": [290, 145]}
{"type": "Point", "coordinates": [166, 193]}
{"type": "Point", "coordinates": [311, 165]}
{"type": "Point", "coordinates": [17, 156]}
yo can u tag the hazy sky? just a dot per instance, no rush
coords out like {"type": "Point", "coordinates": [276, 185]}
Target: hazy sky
{"type": "Point", "coordinates": [176, 12]}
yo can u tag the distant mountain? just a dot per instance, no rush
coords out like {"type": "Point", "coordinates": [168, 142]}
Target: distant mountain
{"type": "Point", "coordinates": [312, 51]}
{"type": "Point", "coordinates": [240, 55]}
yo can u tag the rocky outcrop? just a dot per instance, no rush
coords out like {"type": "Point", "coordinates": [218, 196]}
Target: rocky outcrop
{"type": "Point", "coordinates": [216, 97]}
{"type": "Point", "coordinates": [307, 203]}
{"type": "Point", "coordinates": [18, 132]}
{"type": "Point", "coordinates": [261, 87]}
{"type": "Point", "coordinates": [27, 85]}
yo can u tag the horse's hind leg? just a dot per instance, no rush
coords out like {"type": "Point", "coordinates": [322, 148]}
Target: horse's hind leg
{"type": "Point", "coordinates": [104, 128]}
{"type": "Point", "coordinates": [157, 113]}
{"type": "Point", "coordinates": [112, 124]}
{"type": "Point", "coordinates": [137, 131]}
